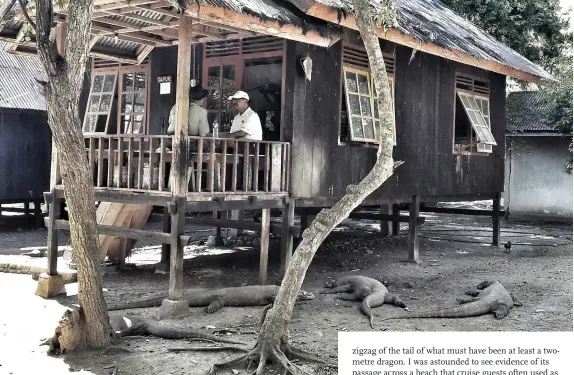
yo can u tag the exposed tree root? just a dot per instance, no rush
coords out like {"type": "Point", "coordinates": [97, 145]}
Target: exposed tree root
{"type": "Point", "coordinates": [265, 354]}
{"type": "Point", "coordinates": [207, 349]}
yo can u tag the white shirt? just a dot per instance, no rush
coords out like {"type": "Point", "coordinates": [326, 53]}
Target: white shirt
{"type": "Point", "coordinates": [248, 122]}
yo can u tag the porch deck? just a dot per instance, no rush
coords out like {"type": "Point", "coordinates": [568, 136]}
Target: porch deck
{"type": "Point", "coordinates": [216, 167]}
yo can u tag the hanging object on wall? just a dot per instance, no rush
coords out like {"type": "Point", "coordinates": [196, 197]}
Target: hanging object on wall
{"type": "Point", "coordinates": [164, 84]}
{"type": "Point", "coordinates": [307, 64]}
{"type": "Point", "coordinates": [193, 82]}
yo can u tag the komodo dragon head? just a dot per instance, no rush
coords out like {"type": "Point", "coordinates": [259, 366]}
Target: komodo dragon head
{"type": "Point", "coordinates": [305, 296]}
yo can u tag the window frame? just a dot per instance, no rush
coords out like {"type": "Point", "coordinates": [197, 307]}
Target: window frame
{"type": "Point", "coordinates": [87, 113]}
{"type": "Point", "coordinates": [479, 93]}
{"type": "Point", "coordinates": [145, 114]}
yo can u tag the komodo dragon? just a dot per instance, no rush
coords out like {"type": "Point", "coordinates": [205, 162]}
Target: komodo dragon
{"type": "Point", "coordinates": [215, 299]}
{"type": "Point", "coordinates": [490, 297]}
{"type": "Point", "coordinates": [371, 292]}
{"type": "Point", "coordinates": [132, 325]}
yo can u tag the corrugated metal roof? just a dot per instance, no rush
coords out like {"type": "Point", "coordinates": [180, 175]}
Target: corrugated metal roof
{"type": "Point", "coordinates": [525, 112]}
{"type": "Point", "coordinates": [18, 88]}
{"type": "Point", "coordinates": [431, 21]}
{"type": "Point", "coordinates": [120, 45]}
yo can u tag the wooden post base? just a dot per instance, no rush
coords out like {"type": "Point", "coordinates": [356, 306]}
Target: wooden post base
{"type": "Point", "coordinates": [49, 286]}
{"type": "Point", "coordinates": [173, 309]}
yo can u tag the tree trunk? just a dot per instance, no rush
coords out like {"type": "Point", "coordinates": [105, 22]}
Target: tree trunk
{"type": "Point", "coordinates": [89, 326]}
{"type": "Point", "coordinates": [273, 336]}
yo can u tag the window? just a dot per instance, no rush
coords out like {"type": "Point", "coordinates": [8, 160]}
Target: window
{"type": "Point", "coordinates": [221, 84]}
{"type": "Point", "coordinates": [102, 93]}
{"type": "Point", "coordinates": [129, 103]}
{"type": "Point", "coordinates": [472, 131]}
{"type": "Point", "coordinates": [359, 108]}
{"type": "Point", "coordinates": [133, 98]}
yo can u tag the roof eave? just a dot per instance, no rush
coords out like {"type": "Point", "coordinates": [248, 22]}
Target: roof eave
{"type": "Point", "coordinates": [328, 14]}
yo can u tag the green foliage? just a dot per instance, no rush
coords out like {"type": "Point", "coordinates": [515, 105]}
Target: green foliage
{"type": "Point", "coordinates": [387, 17]}
{"type": "Point", "coordinates": [559, 99]}
{"type": "Point", "coordinates": [533, 28]}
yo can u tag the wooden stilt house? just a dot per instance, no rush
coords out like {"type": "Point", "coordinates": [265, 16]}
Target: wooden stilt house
{"type": "Point", "coordinates": [320, 123]}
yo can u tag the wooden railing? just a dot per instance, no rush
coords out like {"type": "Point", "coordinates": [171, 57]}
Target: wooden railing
{"type": "Point", "coordinates": [214, 164]}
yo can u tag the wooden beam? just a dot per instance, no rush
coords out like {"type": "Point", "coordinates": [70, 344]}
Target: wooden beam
{"type": "Point", "coordinates": [144, 53]}
{"type": "Point", "coordinates": [100, 55]}
{"type": "Point", "coordinates": [264, 252]}
{"type": "Point", "coordinates": [5, 7]}
{"type": "Point", "coordinates": [331, 15]}
{"type": "Point", "coordinates": [233, 205]}
{"type": "Point", "coordinates": [142, 18]}
{"type": "Point", "coordinates": [255, 24]}
{"type": "Point", "coordinates": [459, 211]}
{"type": "Point", "coordinates": [238, 224]}
{"type": "Point", "coordinates": [176, 253]}
{"type": "Point", "coordinates": [394, 218]}
{"type": "Point", "coordinates": [136, 234]}
{"type": "Point", "coordinates": [414, 230]}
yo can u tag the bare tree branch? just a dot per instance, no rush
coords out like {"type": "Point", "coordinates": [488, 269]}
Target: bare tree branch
{"type": "Point", "coordinates": [45, 37]}
{"type": "Point", "coordinates": [26, 15]}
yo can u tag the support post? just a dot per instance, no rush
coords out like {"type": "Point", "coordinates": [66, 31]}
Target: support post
{"type": "Point", "coordinates": [165, 248]}
{"type": "Point", "coordinates": [304, 221]}
{"type": "Point", "coordinates": [496, 220]}
{"type": "Point", "coordinates": [38, 213]}
{"type": "Point", "coordinates": [264, 253]}
{"type": "Point", "coordinates": [414, 230]}
{"type": "Point", "coordinates": [173, 307]}
{"type": "Point", "coordinates": [50, 283]}
{"type": "Point", "coordinates": [236, 215]}
{"type": "Point", "coordinates": [396, 224]}
{"type": "Point", "coordinates": [286, 236]}
{"type": "Point", "coordinates": [386, 225]}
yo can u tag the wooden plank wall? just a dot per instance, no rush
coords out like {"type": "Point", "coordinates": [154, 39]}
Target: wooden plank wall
{"type": "Point", "coordinates": [25, 151]}
{"type": "Point", "coordinates": [164, 62]}
{"type": "Point", "coordinates": [424, 113]}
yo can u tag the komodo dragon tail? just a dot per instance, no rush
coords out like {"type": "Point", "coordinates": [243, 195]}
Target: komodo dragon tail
{"type": "Point", "coordinates": [138, 304]}
{"type": "Point", "coordinates": [470, 309]}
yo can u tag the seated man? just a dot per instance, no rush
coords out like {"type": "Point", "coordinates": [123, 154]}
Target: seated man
{"type": "Point", "coordinates": [197, 124]}
{"type": "Point", "coordinates": [246, 124]}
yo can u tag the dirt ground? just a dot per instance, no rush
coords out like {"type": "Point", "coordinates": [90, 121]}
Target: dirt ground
{"type": "Point", "coordinates": [455, 252]}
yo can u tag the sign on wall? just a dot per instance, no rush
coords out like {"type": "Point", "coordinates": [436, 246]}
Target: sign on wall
{"type": "Point", "coordinates": [164, 84]}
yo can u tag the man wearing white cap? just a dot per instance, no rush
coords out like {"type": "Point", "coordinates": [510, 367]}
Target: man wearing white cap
{"type": "Point", "coordinates": [246, 123]}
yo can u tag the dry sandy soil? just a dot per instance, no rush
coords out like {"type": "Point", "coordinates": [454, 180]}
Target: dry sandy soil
{"type": "Point", "coordinates": [455, 252]}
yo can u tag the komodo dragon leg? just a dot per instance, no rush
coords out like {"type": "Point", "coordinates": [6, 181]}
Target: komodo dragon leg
{"type": "Point", "coordinates": [517, 303]}
{"type": "Point", "coordinates": [216, 304]}
{"type": "Point", "coordinates": [464, 300]}
{"type": "Point", "coordinates": [500, 310]}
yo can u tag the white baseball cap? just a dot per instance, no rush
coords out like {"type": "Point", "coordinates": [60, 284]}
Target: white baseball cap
{"type": "Point", "coordinates": [239, 95]}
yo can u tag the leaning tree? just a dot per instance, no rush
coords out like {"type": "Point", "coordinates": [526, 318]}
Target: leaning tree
{"type": "Point", "coordinates": [273, 341]}
{"type": "Point", "coordinates": [64, 58]}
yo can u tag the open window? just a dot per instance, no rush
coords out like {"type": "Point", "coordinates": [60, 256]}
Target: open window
{"type": "Point", "coordinates": [360, 121]}
{"type": "Point", "coordinates": [124, 111]}
{"type": "Point", "coordinates": [472, 130]}
{"type": "Point", "coordinates": [102, 92]}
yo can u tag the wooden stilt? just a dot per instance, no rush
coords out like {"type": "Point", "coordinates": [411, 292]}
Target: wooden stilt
{"type": "Point", "coordinates": [496, 220]}
{"type": "Point", "coordinates": [386, 225]}
{"type": "Point", "coordinates": [165, 248]}
{"type": "Point", "coordinates": [264, 254]}
{"type": "Point", "coordinates": [53, 213]}
{"type": "Point", "coordinates": [180, 157]}
{"type": "Point", "coordinates": [414, 230]}
{"type": "Point", "coordinates": [38, 213]}
{"type": "Point", "coordinates": [287, 236]}
{"type": "Point", "coordinates": [396, 225]}
{"type": "Point", "coordinates": [176, 254]}
{"type": "Point", "coordinates": [236, 215]}
{"type": "Point", "coordinates": [304, 221]}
